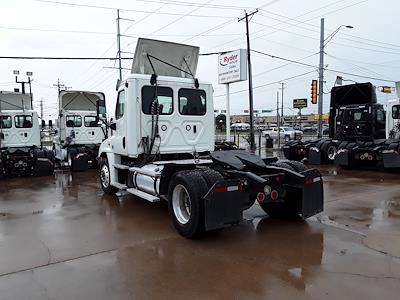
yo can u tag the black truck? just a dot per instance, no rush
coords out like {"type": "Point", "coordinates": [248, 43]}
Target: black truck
{"type": "Point", "coordinates": [358, 132]}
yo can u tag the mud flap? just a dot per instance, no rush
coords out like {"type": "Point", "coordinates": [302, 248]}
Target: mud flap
{"type": "Point", "coordinates": [1, 169]}
{"type": "Point", "coordinates": [80, 162]}
{"type": "Point", "coordinates": [312, 194]}
{"type": "Point", "coordinates": [342, 158]}
{"type": "Point", "coordinates": [223, 204]}
{"type": "Point", "coordinates": [314, 156]}
{"type": "Point", "coordinates": [43, 167]}
{"type": "Point", "coordinates": [391, 159]}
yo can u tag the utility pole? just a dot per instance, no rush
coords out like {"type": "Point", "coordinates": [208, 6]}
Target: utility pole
{"type": "Point", "coordinates": [277, 116]}
{"type": "Point", "coordinates": [321, 78]}
{"type": "Point", "coordinates": [246, 18]}
{"type": "Point", "coordinates": [281, 123]}
{"type": "Point", "coordinates": [61, 85]}
{"type": "Point", "coordinates": [119, 46]}
{"type": "Point", "coordinates": [41, 109]}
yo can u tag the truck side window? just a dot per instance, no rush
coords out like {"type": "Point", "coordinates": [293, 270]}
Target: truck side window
{"type": "Point", "coordinates": [396, 112]}
{"type": "Point", "coordinates": [74, 121]}
{"type": "Point", "coordinates": [23, 121]}
{"type": "Point", "coordinates": [5, 122]}
{"type": "Point", "coordinates": [90, 121]}
{"type": "Point", "coordinates": [120, 109]}
{"type": "Point", "coordinates": [192, 102]}
{"type": "Point", "coordinates": [165, 99]}
{"type": "Point", "coordinates": [380, 115]}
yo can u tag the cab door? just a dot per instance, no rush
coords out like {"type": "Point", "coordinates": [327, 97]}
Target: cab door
{"type": "Point", "coordinates": [119, 126]}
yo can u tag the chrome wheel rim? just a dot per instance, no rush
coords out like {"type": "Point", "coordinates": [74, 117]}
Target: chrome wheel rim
{"type": "Point", "coordinates": [331, 152]}
{"type": "Point", "coordinates": [181, 204]}
{"type": "Point", "coordinates": [105, 176]}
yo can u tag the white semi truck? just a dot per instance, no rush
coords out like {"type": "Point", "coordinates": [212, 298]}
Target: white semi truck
{"type": "Point", "coordinates": [162, 148]}
{"type": "Point", "coordinates": [21, 153]}
{"type": "Point", "coordinates": [79, 134]}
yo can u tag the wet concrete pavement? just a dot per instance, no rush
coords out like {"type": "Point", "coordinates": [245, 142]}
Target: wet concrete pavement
{"type": "Point", "coordinates": [61, 238]}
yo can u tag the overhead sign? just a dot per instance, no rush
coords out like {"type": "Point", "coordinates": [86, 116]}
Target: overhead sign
{"type": "Point", "coordinates": [232, 66]}
{"type": "Point", "coordinates": [300, 103]}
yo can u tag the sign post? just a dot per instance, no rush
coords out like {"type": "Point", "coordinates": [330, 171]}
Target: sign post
{"type": "Point", "coordinates": [299, 104]}
{"type": "Point", "coordinates": [228, 115]}
{"type": "Point", "coordinates": [232, 67]}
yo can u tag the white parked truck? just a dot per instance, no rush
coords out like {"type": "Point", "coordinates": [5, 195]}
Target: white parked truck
{"type": "Point", "coordinates": [79, 134]}
{"type": "Point", "coordinates": [285, 133]}
{"type": "Point", "coordinates": [21, 153]}
{"type": "Point", "coordinates": [162, 148]}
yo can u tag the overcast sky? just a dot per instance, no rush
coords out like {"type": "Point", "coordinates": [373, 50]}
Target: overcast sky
{"type": "Point", "coordinates": [286, 28]}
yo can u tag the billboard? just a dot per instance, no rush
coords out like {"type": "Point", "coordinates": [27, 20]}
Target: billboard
{"type": "Point", "coordinates": [232, 66]}
{"type": "Point", "coordinates": [300, 103]}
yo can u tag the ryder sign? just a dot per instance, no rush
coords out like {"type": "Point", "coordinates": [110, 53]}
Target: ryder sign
{"type": "Point", "coordinates": [232, 66]}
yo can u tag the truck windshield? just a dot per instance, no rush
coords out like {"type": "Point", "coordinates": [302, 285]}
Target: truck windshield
{"type": "Point", "coordinates": [5, 122]}
{"type": "Point", "coordinates": [353, 115]}
{"type": "Point", "coordinates": [192, 102]}
{"type": "Point", "coordinates": [23, 121]}
{"type": "Point", "coordinates": [74, 121]}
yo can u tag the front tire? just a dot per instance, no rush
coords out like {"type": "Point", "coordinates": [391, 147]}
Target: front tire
{"type": "Point", "coordinates": [105, 178]}
{"type": "Point", "coordinates": [186, 203]}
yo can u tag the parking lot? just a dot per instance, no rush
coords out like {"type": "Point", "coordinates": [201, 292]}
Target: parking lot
{"type": "Point", "coordinates": [61, 238]}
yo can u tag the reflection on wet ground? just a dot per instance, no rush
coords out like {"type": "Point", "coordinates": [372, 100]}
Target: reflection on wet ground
{"type": "Point", "coordinates": [61, 238]}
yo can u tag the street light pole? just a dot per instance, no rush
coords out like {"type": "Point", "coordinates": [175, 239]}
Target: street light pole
{"type": "Point", "coordinates": [323, 43]}
{"type": "Point", "coordinates": [321, 78]}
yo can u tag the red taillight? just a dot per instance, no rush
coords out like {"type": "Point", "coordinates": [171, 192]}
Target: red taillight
{"type": "Point", "coordinates": [222, 189]}
{"type": "Point", "coordinates": [277, 179]}
{"type": "Point", "coordinates": [309, 181]}
{"type": "Point", "coordinates": [274, 195]}
{"type": "Point", "coordinates": [260, 197]}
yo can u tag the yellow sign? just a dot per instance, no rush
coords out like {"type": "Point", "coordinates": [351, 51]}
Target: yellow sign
{"type": "Point", "coordinates": [325, 117]}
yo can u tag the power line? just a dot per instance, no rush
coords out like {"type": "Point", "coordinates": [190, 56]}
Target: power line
{"type": "Point", "coordinates": [267, 84]}
{"type": "Point", "coordinates": [184, 3]}
{"type": "Point", "coordinates": [60, 58]}
{"type": "Point", "coordinates": [127, 9]}
{"type": "Point", "coordinates": [326, 69]}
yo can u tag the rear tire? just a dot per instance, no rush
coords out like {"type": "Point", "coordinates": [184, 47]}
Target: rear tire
{"type": "Point", "coordinates": [329, 150]}
{"type": "Point", "coordinates": [186, 203]}
{"type": "Point", "coordinates": [105, 178]}
{"type": "Point", "coordinates": [211, 177]}
{"type": "Point", "coordinates": [70, 158]}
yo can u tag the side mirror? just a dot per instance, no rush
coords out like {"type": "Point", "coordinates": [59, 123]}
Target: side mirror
{"type": "Point", "coordinates": [101, 108]}
{"type": "Point", "coordinates": [113, 126]}
{"type": "Point", "coordinates": [43, 123]}
{"type": "Point", "coordinates": [51, 123]}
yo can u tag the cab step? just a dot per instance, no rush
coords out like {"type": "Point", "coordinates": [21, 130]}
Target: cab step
{"type": "Point", "coordinates": [143, 195]}
{"type": "Point", "coordinates": [121, 167]}
{"type": "Point", "coordinates": [120, 186]}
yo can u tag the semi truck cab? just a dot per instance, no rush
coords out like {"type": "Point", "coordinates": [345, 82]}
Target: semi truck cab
{"type": "Point", "coordinates": [162, 148]}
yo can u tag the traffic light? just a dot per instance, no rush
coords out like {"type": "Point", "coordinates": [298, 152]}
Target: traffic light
{"type": "Point", "coordinates": [314, 91]}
